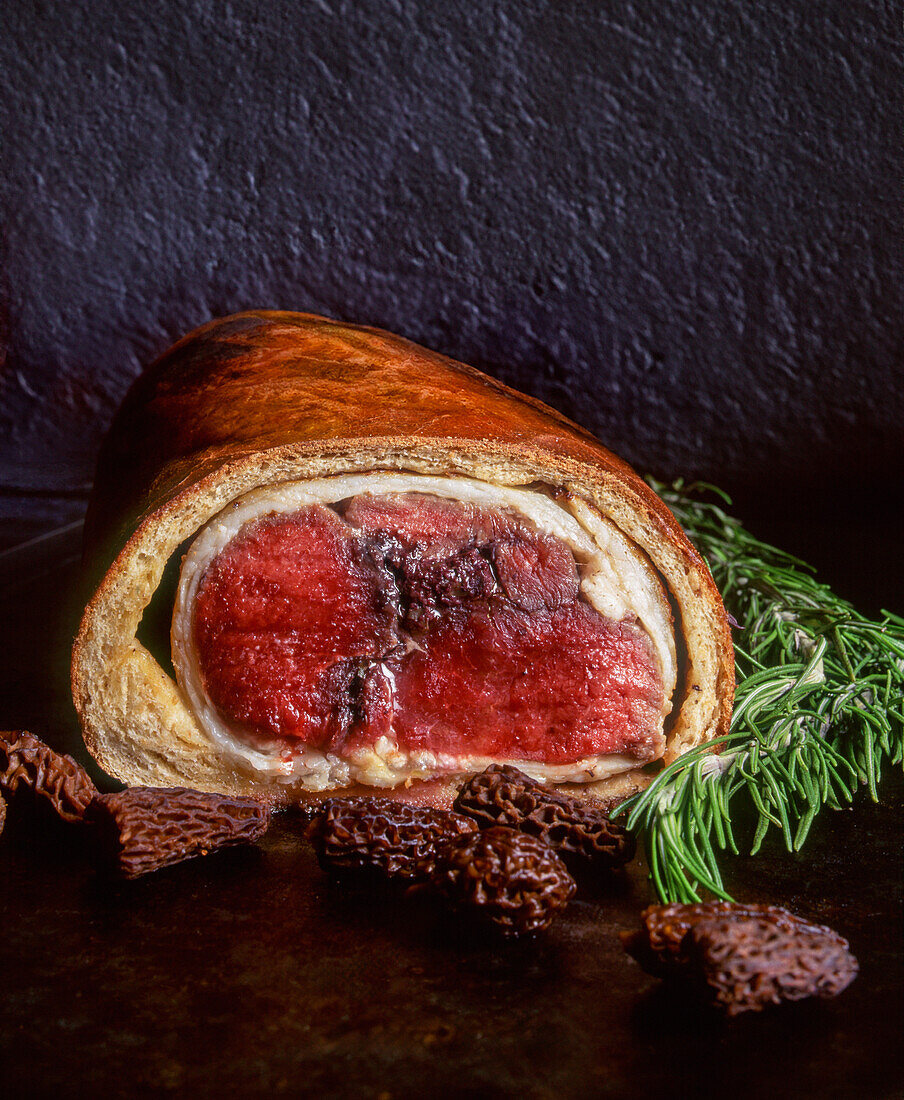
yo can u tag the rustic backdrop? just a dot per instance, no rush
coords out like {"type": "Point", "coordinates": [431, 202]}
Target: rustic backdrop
{"type": "Point", "coordinates": [676, 221]}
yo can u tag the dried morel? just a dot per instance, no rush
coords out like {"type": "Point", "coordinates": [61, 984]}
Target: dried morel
{"type": "Point", "coordinates": [749, 964]}
{"type": "Point", "coordinates": [146, 828]}
{"type": "Point", "coordinates": [580, 831]}
{"type": "Point", "coordinates": [744, 956]}
{"type": "Point", "coordinates": [2, 813]}
{"type": "Point", "coordinates": [512, 881]}
{"type": "Point", "coordinates": [380, 834]}
{"type": "Point", "coordinates": [659, 945]}
{"type": "Point", "coordinates": [27, 763]}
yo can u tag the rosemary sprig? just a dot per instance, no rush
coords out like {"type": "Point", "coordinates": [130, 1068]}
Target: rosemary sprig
{"type": "Point", "coordinates": [818, 709]}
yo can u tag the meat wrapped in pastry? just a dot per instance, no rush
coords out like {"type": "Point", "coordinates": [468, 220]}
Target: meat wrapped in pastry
{"type": "Point", "coordinates": [393, 571]}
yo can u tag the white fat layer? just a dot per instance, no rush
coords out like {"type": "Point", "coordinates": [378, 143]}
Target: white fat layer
{"type": "Point", "coordinates": [621, 575]}
{"type": "Point", "coordinates": [617, 580]}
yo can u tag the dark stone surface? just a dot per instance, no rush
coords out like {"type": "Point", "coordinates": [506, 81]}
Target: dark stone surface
{"type": "Point", "coordinates": [251, 974]}
{"type": "Point", "coordinates": [677, 222]}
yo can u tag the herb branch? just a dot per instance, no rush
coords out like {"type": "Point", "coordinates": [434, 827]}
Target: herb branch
{"type": "Point", "coordinates": [819, 709]}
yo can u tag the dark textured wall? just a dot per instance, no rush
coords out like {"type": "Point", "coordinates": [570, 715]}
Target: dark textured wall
{"type": "Point", "coordinates": [674, 220]}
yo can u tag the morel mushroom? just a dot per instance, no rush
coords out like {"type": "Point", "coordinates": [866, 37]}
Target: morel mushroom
{"type": "Point", "coordinates": [749, 964]}
{"type": "Point", "coordinates": [743, 956]}
{"type": "Point", "coordinates": [514, 882]}
{"type": "Point", "coordinates": [27, 763]}
{"type": "Point", "coordinates": [383, 835]}
{"type": "Point", "coordinates": [148, 828]}
{"type": "Point", "coordinates": [579, 830]}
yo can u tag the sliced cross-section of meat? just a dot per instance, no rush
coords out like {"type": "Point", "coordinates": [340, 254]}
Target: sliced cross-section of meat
{"type": "Point", "coordinates": [535, 572]}
{"type": "Point", "coordinates": [542, 686]}
{"type": "Point", "coordinates": [437, 626]}
{"type": "Point", "coordinates": [285, 620]}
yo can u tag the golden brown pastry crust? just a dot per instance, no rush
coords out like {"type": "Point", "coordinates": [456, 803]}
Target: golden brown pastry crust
{"type": "Point", "coordinates": [265, 397]}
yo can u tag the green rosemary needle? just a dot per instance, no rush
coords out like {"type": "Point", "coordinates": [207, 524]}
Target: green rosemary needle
{"type": "Point", "coordinates": [818, 709]}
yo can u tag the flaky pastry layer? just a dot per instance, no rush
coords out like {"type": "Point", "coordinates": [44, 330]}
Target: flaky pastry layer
{"type": "Point", "coordinates": [263, 399]}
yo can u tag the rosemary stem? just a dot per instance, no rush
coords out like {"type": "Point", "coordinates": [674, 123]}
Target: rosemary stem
{"type": "Point", "coordinates": [817, 709]}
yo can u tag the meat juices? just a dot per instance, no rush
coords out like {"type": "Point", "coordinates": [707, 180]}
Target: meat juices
{"type": "Point", "coordinates": [445, 627]}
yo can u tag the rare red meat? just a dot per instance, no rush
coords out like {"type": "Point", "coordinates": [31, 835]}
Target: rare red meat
{"type": "Point", "coordinates": [284, 618]}
{"type": "Point", "coordinates": [550, 686]}
{"type": "Point", "coordinates": [448, 627]}
{"type": "Point", "coordinates": [426, 522]}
